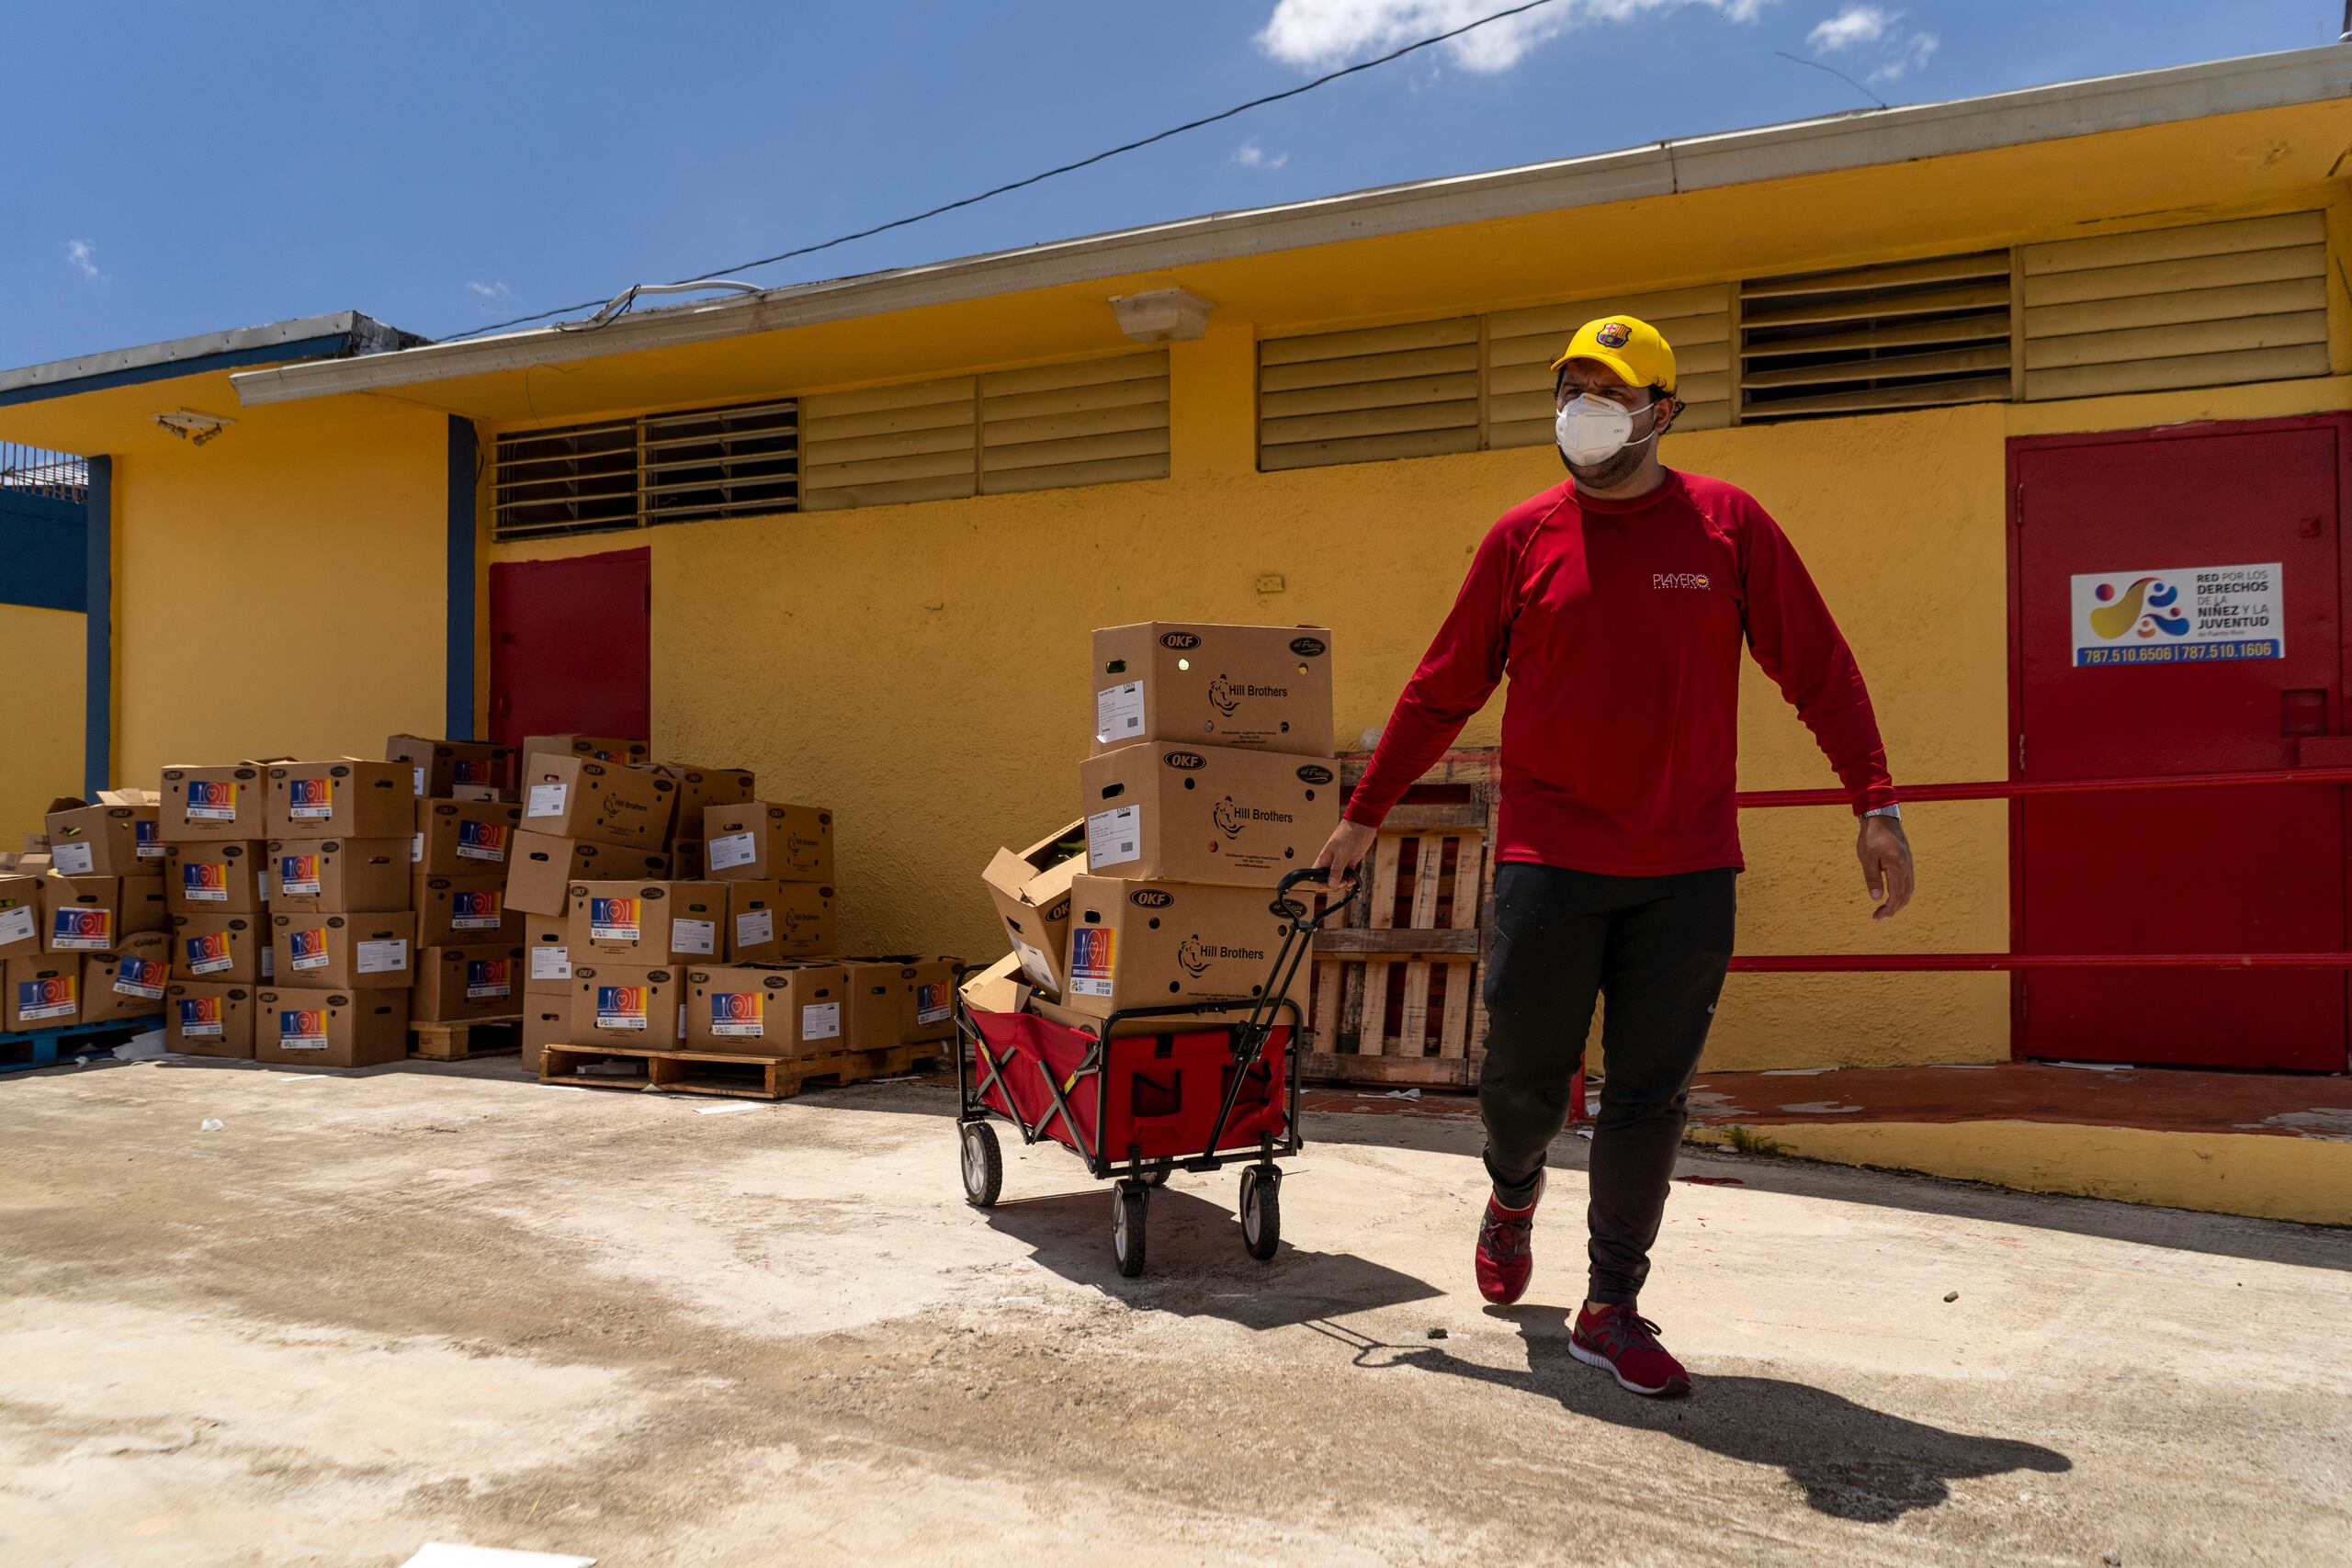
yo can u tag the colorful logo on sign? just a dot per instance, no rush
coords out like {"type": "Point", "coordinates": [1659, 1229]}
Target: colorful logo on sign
{"type": "Point", "coordinates": [613, 919]}
{"type": "Point", "coordinates": [1090, 953]}
{"type": "Point", "coordinates": [474, 908]}
{"type": "Point", "coordinates": [310, 797]}
{"type": "Point", "coordinates": [2119, 613]}
{"type": "Point", "coordinates": [51, 998]}
{"type": "Point", "coordinates": [472, 771]}
{"type": "Point", "coordinates": [488, 977]}
{"type": "Point", "coordinates": [206, 953]}
{"type": "Point", "coordinates": [620, 1007]}
{"type": "Point", "coordinates": [297, 874]}
{"type": "Point", "coordinates": [481, 840]}
{"type": "Point", "coordinates": [140, 978]}
{"type": "Point", "coordinates": [308, 949]}
{"type": "Point", "coordinates": [143, 835]}
{"type": "Point", "coordinates": [213, 798]}
{"type": "Point", "coordinates": [200, 879]}
{"type": "Point", "coordinates": [200, 1015]}
{"type": "Point", "coordinates": [82, 927]}
{"type": "Point", "coordinates": [302, 1026]}
{"type": "Point", "coordinates": [737, 1007]}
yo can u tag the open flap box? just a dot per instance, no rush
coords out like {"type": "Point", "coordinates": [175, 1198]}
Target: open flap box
{"type": "Point", "coordinates": [114, 836]}
{"type": "Point", "coordinates": [1031, 889]}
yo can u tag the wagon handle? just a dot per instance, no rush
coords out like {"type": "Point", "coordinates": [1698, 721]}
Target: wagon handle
{"type": "Point", "coordinates": [1291, 909]}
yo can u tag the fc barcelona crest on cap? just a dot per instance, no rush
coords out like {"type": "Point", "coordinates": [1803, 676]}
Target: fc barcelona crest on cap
{"type": "Point", "coordinates": [1613, 335]}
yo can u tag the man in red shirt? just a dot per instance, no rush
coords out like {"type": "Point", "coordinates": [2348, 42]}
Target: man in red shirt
{"type": "Point", "coordinates": [1617, 601]}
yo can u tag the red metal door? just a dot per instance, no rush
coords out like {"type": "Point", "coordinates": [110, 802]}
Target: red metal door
{"type": "Point", "coordinates": [2178, 674]}
{"type": "Point", "coordinates": [571, 647]}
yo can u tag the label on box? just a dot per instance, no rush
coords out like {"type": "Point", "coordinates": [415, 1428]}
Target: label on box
{"type": "Point", "coordinates": [81, 930]}
{"type": "Point", "coordinates": [470, 771]}
{"type": "Point", "coordinates": [310, 800]}
{"type": "Point", "coordinates": [489, 978]}
{"type": "Point", "coordinates": [1093, 958]}
{"type": "Point", "coordinates": [752, 928]}
{"type": "Point", "coordinates": [481, 840]}
{"type": "Point", "coordinates": [734, 849]}
{"type": "Point", "coordinates": [17, 924]}
{"type": "Point", "coordinates": [308, 949]}
{"type": "Point", "coordinates": [209, 954]}
{"type": "Point", "coordinates": [1113, 836]}
{"type": "Point", "coordinates": [146, 834]}
{"type": "Point", "coordinates": [261, 884]}
{"type": "Point", "coordinates": [419, 771]}
{"type": "Point", "coordinates": [303, 1029]}
{"type": "Point", "coordinates": [550, 963]}
{"type": "Point", "coordinates": [268, 962]}
{"type": "Point", "coordinates": [299, 873]}
{"type": "Point", "coordinates": [1118, 713]}
{"type": "Point", "coordinates": [738, 1012]}
{"type": "Point", "coordinates": [141, 977]}
{"type": "Point", "coordinates": [476, 911]}
{"type": "Point", "coordinates": [547, 800]}
{"type": "Point", "coordinates": [614, 920]}
{"type": "Point", "coordinates": [620, 1007]}
{"type": "Point", "coordinates": [212, 800]}
{"type": "Point", "coordinates": [200, 1016]}
{"type": "Point", "coordinates": [416, 849]}
{"type": "Point", "coordinates": [1039, 967]}
{"type": "Point", "coordinates": [45, 998]}
{"type": "Point", "coordinates": [933, 1004]}
{"type": "Point", "coordinates": [202, 883]}
{"type": "Point", "coordinates": [388, 956]}
{"type": "Point", "coordinates": [694, 936]}
{"type": "Point", "coordinates": [820, 1020]}
{"type": "Point", "coordinates": [75, 857]}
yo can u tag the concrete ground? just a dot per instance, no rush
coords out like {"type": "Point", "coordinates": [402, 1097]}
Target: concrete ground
{"type": "Point", "coordinates": [435, 1304]}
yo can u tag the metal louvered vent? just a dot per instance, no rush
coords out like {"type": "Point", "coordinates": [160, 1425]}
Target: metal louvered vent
{"type": "Point", "coordinates": [1904, 335]}
{"type": "Point", "coordinates": [695, 465]}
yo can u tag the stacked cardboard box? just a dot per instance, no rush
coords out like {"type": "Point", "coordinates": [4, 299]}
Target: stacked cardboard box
{"type": "Point", "coordinates": [82, 937]}
{"type": "Point", "coordinates": [459, 858]}
{"type": "Point", "coordinates": [1211, 777]}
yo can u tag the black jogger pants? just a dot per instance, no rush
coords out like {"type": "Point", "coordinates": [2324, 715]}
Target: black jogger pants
{"type": "Point", "coordinates": [1655, 948]}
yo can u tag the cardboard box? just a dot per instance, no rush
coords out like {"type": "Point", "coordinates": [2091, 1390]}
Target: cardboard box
{"type": "Point", "coordinates": [1160, 943]}
{"type": "Point", "coordinates": [457, 983]}
{"type": "Point", "coordinates": [115, 837]}
{"type": "Point", "coordinates": [1031, 891]}
{"type": "Point", "coordinates": [689, 860]}
{"type": "Point", "coordinates": [204, 1020]}
{"type": "Point", "coordinates": [618, 748]}
{"type": "Point", "coordinates": [455, 838]}
{"type": "Point", "coordinates": [221, 949]}
{"type": "Point", "coordinates": [329, 1028]}
{"type": "Point", "coordinates": [1206, 813]}
{"type": "Point", "coordinates": [465, 911]}
{"type": "Point", "coordinates": [1263, 688]}
{"type": "Point", "coordinates": [21, 927]}
{"type": "Point", "coordinates": [339, 873]}
{"type": "Point", "coordinates": [546, 1020]}
{"type": "Point", "coordinates": [437, 769]}
{"type": "Point", "coordinates": [759, 842]}
{"type": "Point", "coordinates": [546, 955]}
{"type": "Point", "coordinates": [701, 787]}
{"type": "Point", "coordinates": [901, 999]}
{"type": "Point", "coordinates": [129, 982]}
{"type": "Point", "coordinates": [766, 1010]}
{"type": "Point", "coordinates": [541, 870]}
{"type": "Point", "coordinates": [637, 1005]}
{"type": "Point", "coordinates": [367, 951]}
{"type": "Point", "coordinates": [93, 914]}
{"type": "Point", "coordinates": [342, 797]}
{"type": "Point", "coordinates": [227, 801]}
{"type": "Point", "coordinates": [44, 991]}
{"type": "Point", "coordinates": [647, 922]}
{"type": "Point", "coordinates": [771, 921]}
{"type": "Point", "coordinates": [577, 797]}
{"type": "Point", "coordinates": [998, 988]}
{"type": "Point", "coordinates": [213, 877]}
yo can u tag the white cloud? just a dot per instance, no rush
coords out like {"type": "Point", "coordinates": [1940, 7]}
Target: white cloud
{"type": "Point", "coordinates": [82, 257]}
{"type": "Point", "coordinates": [1851, 29]}
{"type": "Point", "coordinates": [492, 292]}
{"type": "Point", "coordinates": [1250, 155]}
{"type": "Point", "coordinates": [1321, 34]}
{"type": "Point", "coordinates": [1914, 53]}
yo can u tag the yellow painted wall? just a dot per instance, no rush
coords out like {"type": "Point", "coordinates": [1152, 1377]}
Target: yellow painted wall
{"type": "Point", "coordinates": [41, 757]}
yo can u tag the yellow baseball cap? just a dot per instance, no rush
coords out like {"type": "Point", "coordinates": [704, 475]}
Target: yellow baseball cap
{"type": "Point", "coordinates": [1627, 345]}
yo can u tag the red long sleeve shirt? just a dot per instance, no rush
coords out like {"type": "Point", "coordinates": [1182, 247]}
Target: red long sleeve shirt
{"type": "Point", "coordinates": [1620, 622]}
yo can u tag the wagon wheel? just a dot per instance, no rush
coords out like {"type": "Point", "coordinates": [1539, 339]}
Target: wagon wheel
{"type": "Point", "coordinates": [983, 1165]}
{"type": "Point", "coordinates": [1160, 1172]}
{"type": "Point", "coordinates": [1129, 1200]}
{"type": "Point", "coordinates": [1261, 1209]}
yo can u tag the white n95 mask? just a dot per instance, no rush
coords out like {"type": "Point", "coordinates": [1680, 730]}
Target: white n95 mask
{"type": "Point", "coordinates": [1593, 430]}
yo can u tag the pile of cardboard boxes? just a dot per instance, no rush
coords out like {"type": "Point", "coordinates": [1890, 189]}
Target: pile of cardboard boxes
{"type": "Point", "coordinates": [1211, 777]}
{"type": "Point", "coordinates": [82, 917]}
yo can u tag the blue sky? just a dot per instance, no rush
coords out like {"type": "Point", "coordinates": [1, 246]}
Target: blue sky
{"type": "Point", "coordinates": [179, 169]}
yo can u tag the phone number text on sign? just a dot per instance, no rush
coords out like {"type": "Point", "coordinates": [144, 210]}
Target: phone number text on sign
{"type": "Point", "coordinates": [2204, 614]}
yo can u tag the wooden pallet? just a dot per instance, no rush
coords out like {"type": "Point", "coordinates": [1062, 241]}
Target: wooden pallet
{"type": "Point", "coordinates": [711, 1072]}
{"type": "Point", "coordinates": [28, 1048]}
{"type": "Point", "coordinates": [1395, 991]}
{"type": "Point", "coordinates": [464, 1039]}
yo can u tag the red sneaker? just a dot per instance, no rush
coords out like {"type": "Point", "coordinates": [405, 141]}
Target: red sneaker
{"type": "Point", "coordinates": [1625, 1342]}
{"type": "Point", "coordinates": [1504, 1260]}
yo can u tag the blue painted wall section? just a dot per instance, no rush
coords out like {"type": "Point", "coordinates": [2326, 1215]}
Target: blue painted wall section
{"type": "Point", "coordinates": [457, 718]}
{"type": "Point", "coordinates": [97, 603]}
{"type": "Point", "coordinates": [41, 551]}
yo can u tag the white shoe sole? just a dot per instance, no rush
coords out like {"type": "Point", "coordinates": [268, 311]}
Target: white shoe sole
{"type": "Point", "coordinates": [1595, 1358]}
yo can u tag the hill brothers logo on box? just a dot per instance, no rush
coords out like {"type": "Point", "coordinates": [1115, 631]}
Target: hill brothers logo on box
{"type": "Point", "coordinates": [200, 1016]}
{"type": "Point", "coordinates": [2201, 614]}
{"type": "Point", "coordinates": [470, 911]}
{"type": "Point", "coordinates": [303, 1029]}
{"type": "Point", "coordinates": [481, 840]}
{"type": "Point", "coordinates": [1195, 956]}
{"type": "Point", "coordinates": [614, 920]}
{"type": "Point", "coordinates": [308, 949]}
{"type": "Point", "coordinates": [737, 1013]}
{"type": "Point", "coordinates": [52, 997]}
{"type": "Point", "coordinates": [1225, 695]}
{"type": "Point", "coordinates": [141, 977]}
{"type": "Point", "coordinates": [309, 799]}
{"type": "Point", "coordinates": [212, 800]}
{"type": "Point", "coordinates": [489, 978]}
{"type": "Point", "coordinates": [203, 882]}
{"type": "Point", "coordinates": [621, 1006]}
{"type": "Point", "coordinates": [81, 930]}
{"type": "Point", "coordinates": [1093, 959]}
{"type": "Point", "coordinates": [299, 873]}
{"type": "Point", "coordinates": [145, 836]}
{"type": "Point", "coordinates": [208, 954]}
